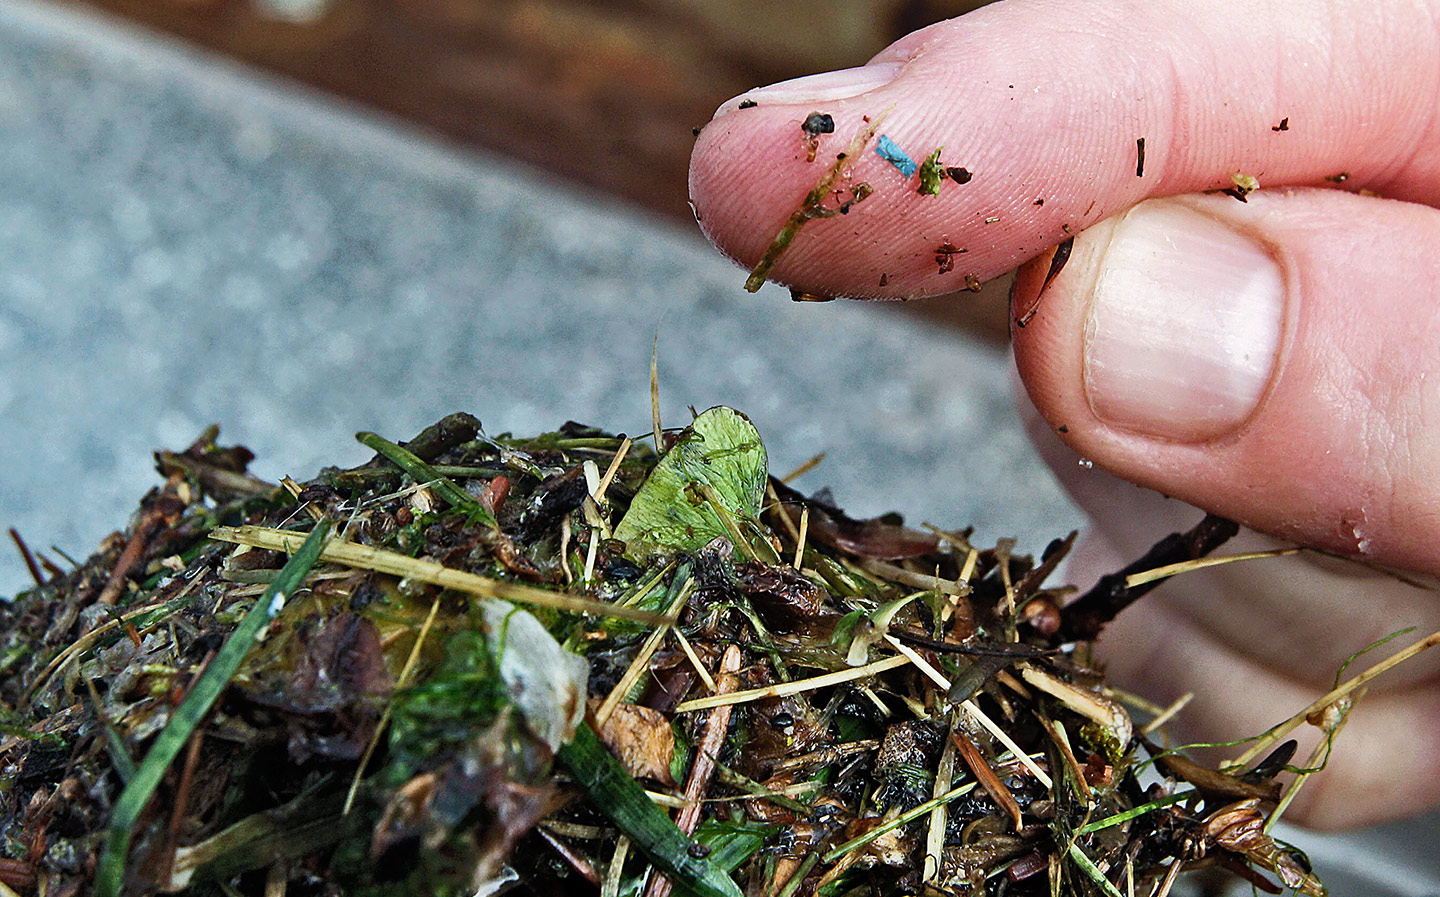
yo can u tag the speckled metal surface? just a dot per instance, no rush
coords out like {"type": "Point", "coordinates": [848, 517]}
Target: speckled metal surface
{"type": "Point", "coordinates": [183, 243]}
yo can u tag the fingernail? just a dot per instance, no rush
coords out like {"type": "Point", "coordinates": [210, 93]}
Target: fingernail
{"type": "Point", "coordinates": [822, 88]}
{"type": "Point", "coordinates": [1184, 325]}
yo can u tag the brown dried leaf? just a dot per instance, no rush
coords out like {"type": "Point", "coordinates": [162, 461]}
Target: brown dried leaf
{"type": "Point", "coordinates": [641, 739]}
{"type": "Point", "coordinates": [782, 595]}
{"type": "Point", "coordinates": [1240, 828]}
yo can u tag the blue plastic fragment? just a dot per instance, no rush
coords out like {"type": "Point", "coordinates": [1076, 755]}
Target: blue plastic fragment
{"type": "Point", "coordinates": [888, 150]}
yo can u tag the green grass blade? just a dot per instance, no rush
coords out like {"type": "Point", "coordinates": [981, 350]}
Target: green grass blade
{"type": "Point", "coordinates": [1134, 812]}
{"type": "Point", "coordinates": [422, 472]}
{"type": "Point", "coordinates": [621, 798]}
{"type": "Point", "coordinates": [110, 877]}
{"type": "Point", "coordinates": [1092, 871]}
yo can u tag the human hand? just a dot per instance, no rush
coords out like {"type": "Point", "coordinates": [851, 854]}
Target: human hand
{"type": "Point", "coordinates": [1275, 361]}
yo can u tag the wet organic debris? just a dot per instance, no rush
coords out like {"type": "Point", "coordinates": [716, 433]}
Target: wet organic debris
{"type": "Point", "coordinates": [1242, 185]}
{"type": "Point", "coordinates": [931, 174]}
{"type": "Point", "coordinates": [815, 124]}
{"type": "Point", "coordinates": [562, 665]}
{"type": "Point", "coordinates": [814, 205]}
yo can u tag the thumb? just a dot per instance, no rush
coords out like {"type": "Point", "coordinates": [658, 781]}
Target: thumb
{"type": "Point", "coordinates": [1273, 361]}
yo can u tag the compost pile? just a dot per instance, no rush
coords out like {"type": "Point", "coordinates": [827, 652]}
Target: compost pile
{"type": "Point", "coordinates": [568, 665]}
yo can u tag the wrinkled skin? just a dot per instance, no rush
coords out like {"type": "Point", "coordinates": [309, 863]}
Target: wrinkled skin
{"type": "Point", "coordinates": [1308, 408]}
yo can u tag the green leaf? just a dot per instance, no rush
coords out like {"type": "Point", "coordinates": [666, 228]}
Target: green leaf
{"type": "Point", "coordinates": [730, 844]}
{"type": "Point", "coordinates": [719, 459]}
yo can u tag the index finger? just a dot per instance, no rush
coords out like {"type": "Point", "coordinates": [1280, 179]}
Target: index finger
{"type": "Point", "coordinates": [1062, 114]}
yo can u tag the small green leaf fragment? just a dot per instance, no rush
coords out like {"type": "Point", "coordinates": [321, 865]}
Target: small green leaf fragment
{"type": "Point", "coordinates": [722, 451]}
{"type": "Point", "coordinates": [931, 174]}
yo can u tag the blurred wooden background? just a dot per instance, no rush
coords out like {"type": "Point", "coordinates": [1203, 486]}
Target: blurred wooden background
{"type": "Point", "coordinates": [602, 92]}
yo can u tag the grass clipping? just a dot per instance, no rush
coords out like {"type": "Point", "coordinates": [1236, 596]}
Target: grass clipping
{"type": "Point", "coordinates": [566, 664]}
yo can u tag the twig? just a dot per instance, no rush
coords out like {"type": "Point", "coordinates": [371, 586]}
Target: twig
{"type": "Point", "coordinates": [986, 777]}
{"type": "Point", "coordinates": [916, 580]}
{"type": "Point", "coordinates": [577, 862]}
{"type": "Point", "coordinates": [902, 819]}
{"type": "Point", "coordinates": [800, 538]}
{"type": "Point", "coordinates": [1164, 889]}
{"type": "Point", "coordinates": [694, 658]}
{"type": "Point", "coordinates": [26, 556]}
{"type": "Point", "coordinates": [1082, 619]}
{"type": "Point", "coordinates": [830, 753]}
{"type": "Point", "coordinates": [803, 469]}
{"type": "Point", "coordinates": [975, 712]}
{"type": "Point", "coordinates": [591, 553]}
{"type": "Point", "coordinates": [132, 554]}
{"type": "Point", "coordinates": [1003, 550]}
{"type": "Point", "coordinates": [1138, 579]}
{"type": "Point", "coordinates": [1057, 733]}
{"type": "Point", "coordinates": [935, 833]}
{"type": "Point", "coordinates": [717, 728]}
{"type": "Point", "coordinates": [615, 869]}
{"type": "Point", "coordinates": [613, 469]}
{"type": "Point", "coordinates": [1089, 704]}
{"type": "Point", "coordinates": [1318, 756]}
{"type": "Point", "coordinates": [1168, 713]}
{"type": "Point", "coordinates": [778, 507]}
{"type": "Point", "coordinates": [795, 687]}
{"type": "Point", "coordinates": [295, 489]}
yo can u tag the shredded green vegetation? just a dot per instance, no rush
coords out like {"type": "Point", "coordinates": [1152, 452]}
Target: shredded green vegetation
{"type": "Point", "coordinates": [425, 474]}
{"type": "Point", "coordinates": [110, 877]}
{"type": "Point", "coordinates": [566, 663]}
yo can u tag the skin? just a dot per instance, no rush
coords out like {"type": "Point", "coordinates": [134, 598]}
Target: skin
{"type": "Point", "coordinates": [1342, 450]}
